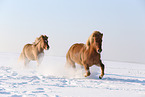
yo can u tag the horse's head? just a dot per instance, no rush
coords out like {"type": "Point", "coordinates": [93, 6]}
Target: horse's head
{"type": "Point", "coordinates": [96, 41]}
{"type": "Point", "coordinates": [44, 41]}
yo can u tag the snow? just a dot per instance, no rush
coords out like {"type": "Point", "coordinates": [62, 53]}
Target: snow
{"type": "Point", "coordinates": [51, 79]}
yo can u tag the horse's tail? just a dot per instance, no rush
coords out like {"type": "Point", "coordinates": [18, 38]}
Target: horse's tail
{"type": "Point", "coordinates": [21, 57]}
{"type": "Point", "coordinates": [67, 58]}
{"type": "Point", "coordinates": [69, 61]}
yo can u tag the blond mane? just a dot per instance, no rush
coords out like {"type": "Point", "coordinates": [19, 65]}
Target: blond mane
{"type": "Point", "coordinates": [90, 39]}
{"type": "Point", "coordinates": [37, 40]}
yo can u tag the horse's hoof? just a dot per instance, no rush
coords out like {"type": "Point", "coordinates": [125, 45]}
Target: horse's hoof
{"type": "Point", "coordinates": [88, 74]}
{"type": "Point", "coordinates": [85, 75]}
{"type": "Point", "coordinates": [100, 77]}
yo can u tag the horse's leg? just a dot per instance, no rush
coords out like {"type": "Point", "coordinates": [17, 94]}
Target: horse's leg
{"type": "Point", "coordinates": [39, 58]}
{"type": "Point", "coordinates": [39, 61]}
{"type": "Point", "coordinates": [102, 69]}
{"type": "Point", "coordinates": [26, 61]}
{"type": "Point", "coordinates": [70, 63]}
{"type": "Point", "coordinates": [86, 66]}
{"type": "Point", "coordinates": [82, 66]}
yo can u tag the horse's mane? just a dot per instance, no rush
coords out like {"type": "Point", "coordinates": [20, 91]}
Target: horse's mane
{"type": "Point", "coordinates": [37, 40]}
{"type": "Point", "coordinates": [90, 39]}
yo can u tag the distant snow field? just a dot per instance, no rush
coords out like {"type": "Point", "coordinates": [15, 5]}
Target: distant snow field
{"type": "Point", "coordinates": [51, 79]}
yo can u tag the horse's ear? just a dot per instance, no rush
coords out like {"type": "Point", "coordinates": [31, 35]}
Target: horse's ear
{"type": "Point", "coordinates": [45, 36]}
{"type": "Point", "coordinates": [101, 35]}
{"type": "Point", "coordinates": [41, 36]}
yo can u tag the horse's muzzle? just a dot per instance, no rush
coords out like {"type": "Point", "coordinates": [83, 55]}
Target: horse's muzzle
{"type": "Point", "coordinates": [48, 47]}
{"type": "Point", "coordinates": [99, 51]}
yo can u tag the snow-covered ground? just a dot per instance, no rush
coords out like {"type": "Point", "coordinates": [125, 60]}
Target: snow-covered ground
{"type": "Point", "coordinates": [51, 79]}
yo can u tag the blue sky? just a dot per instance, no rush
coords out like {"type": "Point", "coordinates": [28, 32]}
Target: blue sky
{"type": "Point", "coordinates": [67, 22]}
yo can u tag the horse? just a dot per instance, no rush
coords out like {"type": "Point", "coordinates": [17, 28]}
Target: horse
{"type": "Point", "coordinates": [87, 54]}
{"type": "Point", "coordinates": [34, 51]}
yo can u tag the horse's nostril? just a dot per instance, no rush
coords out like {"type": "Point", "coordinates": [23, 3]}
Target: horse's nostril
{"type": "Point", "coordinates": [100, 50]}
{"type": "Point", "coordinates": [48, 47]}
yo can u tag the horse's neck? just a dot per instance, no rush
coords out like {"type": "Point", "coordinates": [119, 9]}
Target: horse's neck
{"type": "Point", "coordinates": [92, 50]}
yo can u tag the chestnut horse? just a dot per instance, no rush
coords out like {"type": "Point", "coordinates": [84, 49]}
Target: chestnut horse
{"type": "Point", "coordinates": [34, 51]}
{"type": "Point", "coordinates": [87, 54]}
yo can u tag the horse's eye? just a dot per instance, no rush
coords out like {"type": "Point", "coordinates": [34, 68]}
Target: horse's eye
{"type": "Point", "coordinates": [46, 41]}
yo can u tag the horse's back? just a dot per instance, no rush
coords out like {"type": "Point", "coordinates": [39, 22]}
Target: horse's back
{"type": "Point", "coordinates": [75, 48]}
